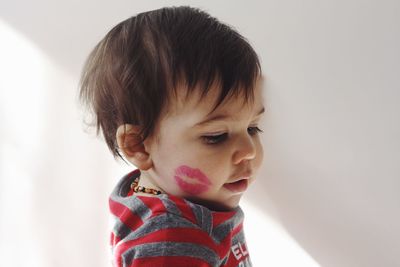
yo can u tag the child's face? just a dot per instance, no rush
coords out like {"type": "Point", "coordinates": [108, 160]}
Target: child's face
{"type": "Point", "coordinates": [202, 162]}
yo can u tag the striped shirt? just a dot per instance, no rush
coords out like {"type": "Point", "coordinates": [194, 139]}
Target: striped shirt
{"type": "Point", "coordinates": [166, 230]}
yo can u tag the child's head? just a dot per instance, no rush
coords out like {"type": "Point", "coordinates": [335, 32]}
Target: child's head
{"type": "Point", "coordinates": [154, 80]}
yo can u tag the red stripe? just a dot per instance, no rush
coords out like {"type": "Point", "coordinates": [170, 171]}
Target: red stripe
{"type": "Point", "coordinates": [175, 261]}
{"type": "Point", "coordinates": [220, 217]}
{"type": "Point", "coordinates": [130, 193]}
{"type": "Point", "coordinates": [186, 210]}
{"type": "Point", "coordinates": [153, 203]}
{"type": "Point", "coordinates": [126, 216]}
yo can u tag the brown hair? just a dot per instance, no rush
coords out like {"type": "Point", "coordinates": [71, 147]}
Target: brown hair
{"type": "Point", "coordinates": [133, 70]}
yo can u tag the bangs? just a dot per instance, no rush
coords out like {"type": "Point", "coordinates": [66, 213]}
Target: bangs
{"type": "Point", "coordinates": [210, 53]}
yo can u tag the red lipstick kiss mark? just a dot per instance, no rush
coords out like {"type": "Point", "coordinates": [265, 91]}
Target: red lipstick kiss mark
{"type": "Point", "coordinates": [191, 181]}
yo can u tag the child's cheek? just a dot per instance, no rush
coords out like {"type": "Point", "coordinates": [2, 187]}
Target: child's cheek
{"type": "Point", "coordinates": [192, 181]}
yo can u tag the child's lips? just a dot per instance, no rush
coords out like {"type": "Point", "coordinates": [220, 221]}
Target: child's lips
{"type": "Point", "coordinates": [239, 186]}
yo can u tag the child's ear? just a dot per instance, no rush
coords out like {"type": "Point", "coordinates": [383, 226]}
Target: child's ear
{"type": "Point", "coordinates": [129, 143]}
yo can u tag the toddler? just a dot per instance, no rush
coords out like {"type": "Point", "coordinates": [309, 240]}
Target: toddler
{"type": "Point", "coordinates": [177, 94]}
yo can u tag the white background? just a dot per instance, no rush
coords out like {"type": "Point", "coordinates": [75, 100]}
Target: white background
{"type": "Point", "coordinates": [328, 192]}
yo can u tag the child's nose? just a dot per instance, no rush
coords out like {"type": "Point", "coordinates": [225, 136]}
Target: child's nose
{"type": "Point", "coordinates": [245, 149]}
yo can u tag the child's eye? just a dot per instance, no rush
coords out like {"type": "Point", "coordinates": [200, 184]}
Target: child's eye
{"type": "Point", "coordinates": [254, 130]}
{"type": "Point", "coordinates": [214, 139]}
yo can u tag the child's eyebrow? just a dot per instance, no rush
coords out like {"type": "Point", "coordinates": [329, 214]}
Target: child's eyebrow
{"type": "Point", "coordinates": [219, 117]}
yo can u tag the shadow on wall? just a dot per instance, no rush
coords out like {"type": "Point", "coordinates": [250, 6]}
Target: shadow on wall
{"type": "Point", "coordinates": [52, 26]}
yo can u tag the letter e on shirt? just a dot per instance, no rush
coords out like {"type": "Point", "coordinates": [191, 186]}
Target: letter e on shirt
{"type": "Point", "coordinates": [239, 250]}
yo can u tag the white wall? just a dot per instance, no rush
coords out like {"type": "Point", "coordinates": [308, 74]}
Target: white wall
{"type": "Point", "coordinates": [328, 194]}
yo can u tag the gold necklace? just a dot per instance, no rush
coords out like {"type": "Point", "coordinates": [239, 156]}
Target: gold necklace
{"type": "Point", "coordinates": [138, 188]}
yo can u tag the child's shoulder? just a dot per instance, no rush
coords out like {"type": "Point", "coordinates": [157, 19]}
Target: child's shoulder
{"type": "Point", "coordinates": [149, 226]}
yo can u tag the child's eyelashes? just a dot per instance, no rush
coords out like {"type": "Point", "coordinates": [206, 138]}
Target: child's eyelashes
{"type": "Point", "coordinates": [254, 130]}
{"type": "Point", "coordinates": [214, 139]}
{"type": "Point", "coordinates": [217, 139]}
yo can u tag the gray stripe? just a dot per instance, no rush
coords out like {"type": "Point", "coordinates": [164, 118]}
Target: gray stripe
{"type": "Point", "coordinates": [170, 205]}
{"type": "Point", "coordinates": [225, 228]}
{"type": "Point", "coordinates": [120, 229]}
{"type": "Point", "coordinates": [238, 238]}
{"type": "Point", "coordinates": [141, 209]}
{"type": "Point", "coordinates": [135, 205]}
{"type": "Point", "coordinates": [171, 249]}
{"type": "Point", "coordinates": [221, 232]}
{"type": "Point", "coordinates": [163, 221]}
{"type": "Point", "coordinates": [203, 216]}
